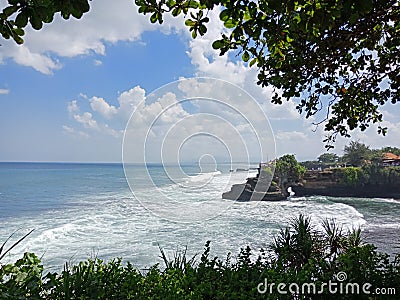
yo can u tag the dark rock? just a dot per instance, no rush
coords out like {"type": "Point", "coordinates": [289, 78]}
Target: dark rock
{"type": "Point", "coordinates": [254, 190]}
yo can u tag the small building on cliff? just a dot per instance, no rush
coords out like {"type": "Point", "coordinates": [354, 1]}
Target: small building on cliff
{"type": "Point", "coordinates": [390, 159]}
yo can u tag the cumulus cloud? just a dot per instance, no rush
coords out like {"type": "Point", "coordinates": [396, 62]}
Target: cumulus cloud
{"type": "Point", "coordinates": [86, 119]}
{"type": "Point", "coordinates": [88, 122]}
{"type": "Point", "coordinates": [4, 91]}
{"type": "Point", "coordinates": [24, 56]}
{"type": "Point", "coordinates": [208, 61]}
{"type": "Point", "coordinates": [128, 101]}
{"type": "Point", "coordinates": [101, 106]}
{"type": "Point", "coordinates": [175, 118]}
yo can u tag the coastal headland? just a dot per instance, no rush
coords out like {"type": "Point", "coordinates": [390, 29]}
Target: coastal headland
{"type": "Point", "coordinates": [285, 177]}
{"type": "Point", "coordinates": [313, 183]}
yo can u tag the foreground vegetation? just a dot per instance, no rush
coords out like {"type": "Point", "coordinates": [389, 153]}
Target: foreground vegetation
{"type": "Point", "coordinates": [300, 254]}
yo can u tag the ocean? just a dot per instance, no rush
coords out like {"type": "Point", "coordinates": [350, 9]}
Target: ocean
{"type": "Point", "coordinates": [81, 211]}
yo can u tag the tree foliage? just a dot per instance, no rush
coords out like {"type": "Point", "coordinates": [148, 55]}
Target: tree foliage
{"type": "Point", "coordinates": [328, 158]}
{"type": "Point", "coordinates": [287, 169]}
{"type": "Point", "coordinates": [19, 13]}
{"type": "Point", "coordinates": [341, 57]}
{"type": "Point", "coordinates": [356, 153]}
{"type": "Point", "coordinates": [389, 149]}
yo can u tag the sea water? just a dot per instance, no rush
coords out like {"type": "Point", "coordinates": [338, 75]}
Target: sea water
{"type": "Point", "coordinates": [79, 211]}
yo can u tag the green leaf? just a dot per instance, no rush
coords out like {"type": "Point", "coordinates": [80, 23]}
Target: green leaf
{"type": "Point", "coordinates": [218, 44]}
{"type": "Point", "coordinates": [22, 19]}
{"type": "Point", "coordinates": [193, 4]}
{"type": "Point", "coordinates": [246, 56]}
{"type": "Point", "coordinates": [19, 31]}
{"type": "Point", "coordinates": [176, 11]}
{"type": "Point", "coordinates": [288, 39]}
{"type": "Point", "coordinates": [230, 23]}
{"type": "Point", "coordinates": [190, 23]}
{"type": "Point", "coordinates": [8, 11]}
{"type": "Point", "coordinates": [225, 15]}
{"type": "Point", "coordinates": [83, 6]}
{"type": "Point", "coordinates": [154, 18]}
{"type": "Point", "coordinates": [297, 18]}
{"type": "Point", "coordinates": [76, 13]}
{"type": "Point", "coordinates": [35, 22]}
{"type": "Point", "coordinates": [202, 29]}
{"type": "Point", "coordinates": [18, 39]}
{"type": "Point", "coordinates": [252, 62]}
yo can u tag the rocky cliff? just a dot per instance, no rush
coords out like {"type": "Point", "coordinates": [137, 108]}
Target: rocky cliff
{"type": "Point", "coordinates": [329, 183]}
{"type": "Point", "coordinates": [313, 183]}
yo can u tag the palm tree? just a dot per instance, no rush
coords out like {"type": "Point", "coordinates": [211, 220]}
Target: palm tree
{"type": "Point", "coordinates": [299, 243]}
{"type": "Point", "coordinates": [294, 246]}
{"type": "Point", "coordinates": [334, 239]}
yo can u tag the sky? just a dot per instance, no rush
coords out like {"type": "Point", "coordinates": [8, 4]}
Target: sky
{"type": "Point", "coordinates": [67, 95]}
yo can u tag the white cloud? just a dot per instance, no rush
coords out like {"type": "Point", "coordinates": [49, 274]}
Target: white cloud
{"type": "Point", "coordinates": [106, 22]}
{"type": "Point", "coordinates": [86, 119]}
{"type": "Point", "coordinates": [97, 62]}
{"type": "Point", "coordinates": [101, 106]}
{"type": "Point", "coordinates": [208, 61]}
{"type": "Point", "coordinates": [24, 56]}
{"type": "Point", "coordinates": [163, 120]}
{"type": "Point", "coordinates": [129, 100]}
{"type": "Point", "coordinates": [72, 106]}
{"type": "Point", "coordinates": [4, 91]}
{"type": "Point", "coordinates": [166, 120]}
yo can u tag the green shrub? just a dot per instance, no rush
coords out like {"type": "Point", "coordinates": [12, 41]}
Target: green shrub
{"type": "Point", "coordinates": [299, 254]}
{"type": "Point", "coordinates": [23, 279]}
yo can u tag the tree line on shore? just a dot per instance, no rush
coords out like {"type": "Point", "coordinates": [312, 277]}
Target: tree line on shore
{"type": "Point", "coordinates": [355, 154]}
{"type": "Point", "coordinates": [359, 165]}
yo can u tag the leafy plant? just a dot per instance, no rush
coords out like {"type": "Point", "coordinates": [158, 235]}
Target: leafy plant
{"type": "Point", "coordinates": [300, 254]}
{"type": "Point", "coordinates": [339, 57]}
{"type": "Point", "coordinates": [18, 13]}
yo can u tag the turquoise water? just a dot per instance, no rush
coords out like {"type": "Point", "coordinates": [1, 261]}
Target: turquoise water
{"type": "Point", "coordinates": [84, 210]}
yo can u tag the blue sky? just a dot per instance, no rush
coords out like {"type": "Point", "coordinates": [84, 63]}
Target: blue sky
{"type": "Point", "coordinates": [62, 93]}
